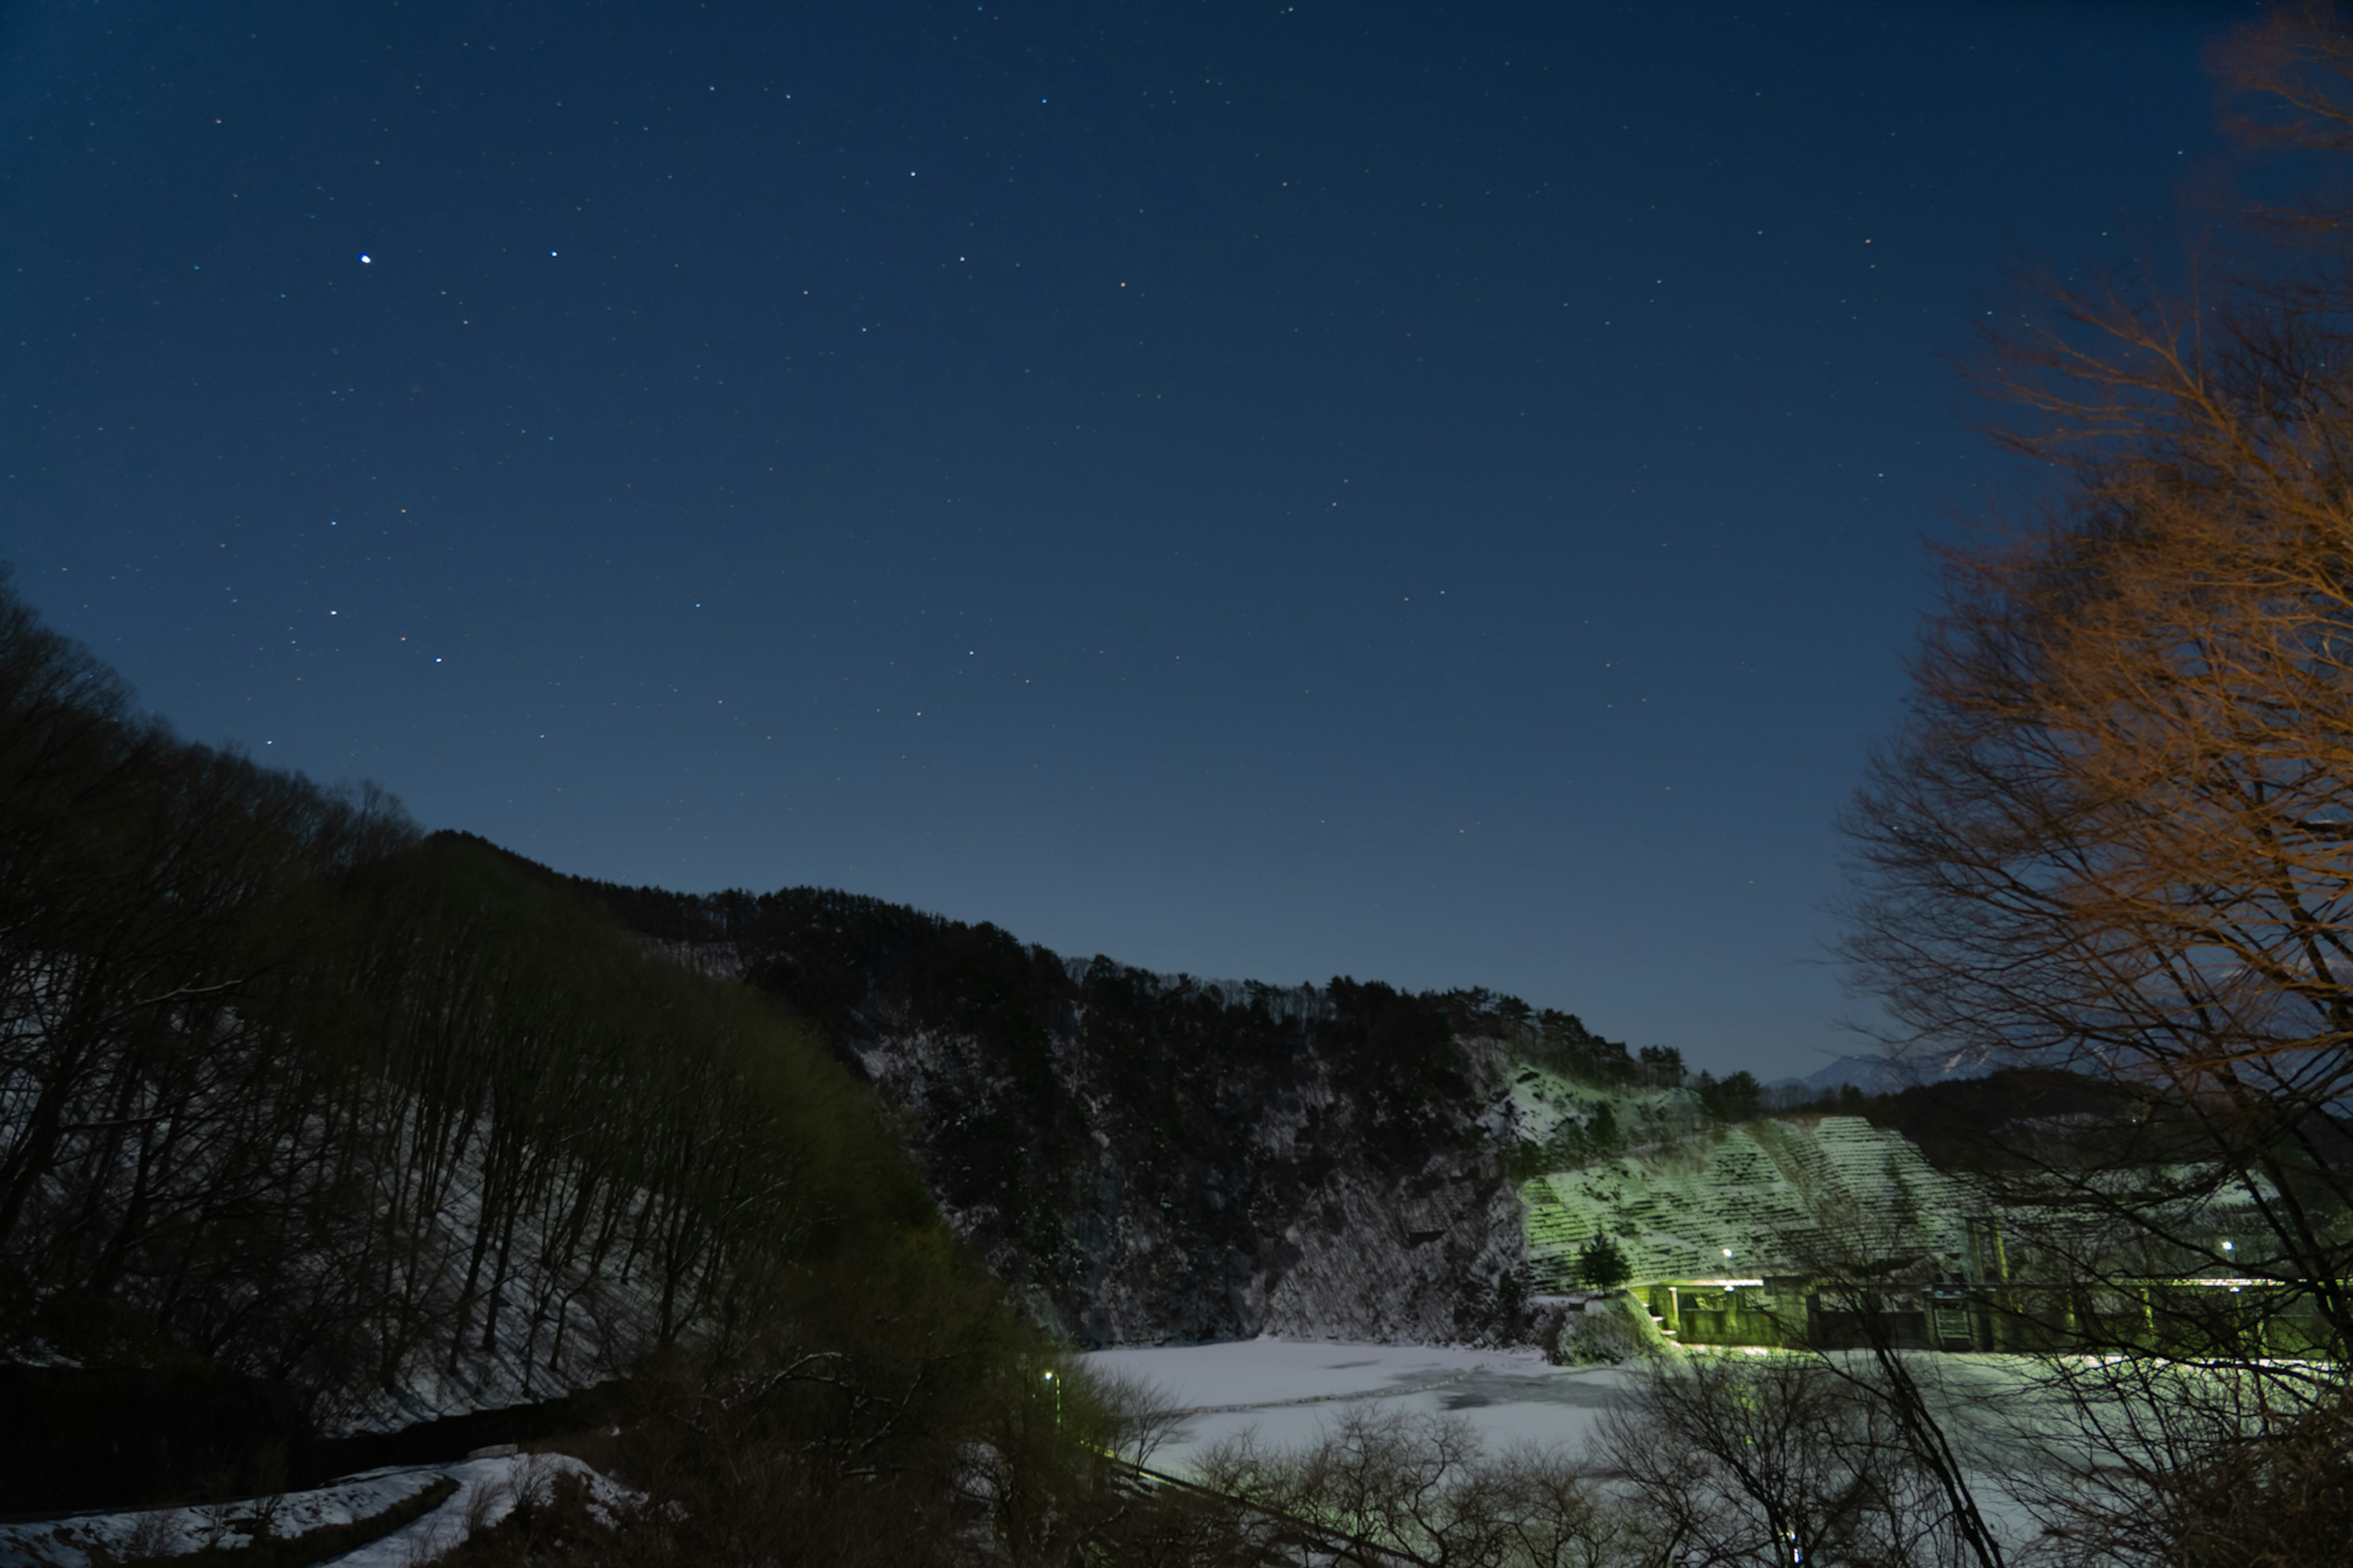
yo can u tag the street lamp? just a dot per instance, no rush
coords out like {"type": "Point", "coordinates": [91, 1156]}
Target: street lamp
{"type": "Point", "coordinates": [1056, 1384]}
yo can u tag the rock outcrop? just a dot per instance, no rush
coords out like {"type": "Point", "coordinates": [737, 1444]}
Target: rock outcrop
{"type": "Point", "coordinates": [1260, 1197]}
{"type": "Point", "coordinates": [1147, 1158]}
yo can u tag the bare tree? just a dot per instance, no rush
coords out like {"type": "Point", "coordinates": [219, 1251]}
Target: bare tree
{"type": "Point", "coordinates": [1872, 1267]}
{"type": "Point", "coordinates": [2115, 834]}
{"type": "Point", "coordinates": [2143, 1460]}
{"type": "Point", "coordinates": [1773, 1460]}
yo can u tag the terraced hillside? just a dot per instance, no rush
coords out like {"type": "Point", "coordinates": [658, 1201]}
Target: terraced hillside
{"type": "Point", "coordinates": [1688, 1200]}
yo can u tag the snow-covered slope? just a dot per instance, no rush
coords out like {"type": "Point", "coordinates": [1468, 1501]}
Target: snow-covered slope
{"type": "Point", "coordinates": [1300, 1216]}
{"type": "Point", "coordinates": [480, 1493]}
{"type": "Point", "coordinates": [1686, 1200]}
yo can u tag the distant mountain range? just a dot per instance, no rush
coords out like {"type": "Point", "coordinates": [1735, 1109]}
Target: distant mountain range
{"type": "Point", "coordinates": [1876, 1074]}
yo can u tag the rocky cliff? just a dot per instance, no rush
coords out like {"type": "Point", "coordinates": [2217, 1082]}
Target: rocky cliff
{"type": "Point", "coordinates": [1245, 1194]}
{"type": "Point", "coordinates": [1148, 1158]}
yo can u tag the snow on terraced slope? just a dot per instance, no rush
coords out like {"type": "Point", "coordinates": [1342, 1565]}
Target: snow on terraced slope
{"type": "Point", "coordinates": [1687, 1201]}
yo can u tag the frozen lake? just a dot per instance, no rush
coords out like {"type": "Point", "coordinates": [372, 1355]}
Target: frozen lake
{"type": "Point", "coordinates": [1287, 1388]}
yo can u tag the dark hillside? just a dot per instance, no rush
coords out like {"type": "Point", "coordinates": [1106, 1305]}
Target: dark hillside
{"type": "Point", "coordinates": [308, 1122]}
{"type": "Point", "coordinates": [1151, 1157]}
{"type": "Point", "coordinates": [1993, 1122]}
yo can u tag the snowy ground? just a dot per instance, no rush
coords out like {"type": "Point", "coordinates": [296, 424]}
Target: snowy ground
{"type": "Point", "coordinates": [173, 1530]}
{"type": "Point", "coordinates": [1287, 1389]}
{"type": "Point", "coordinates": [487, 1492]}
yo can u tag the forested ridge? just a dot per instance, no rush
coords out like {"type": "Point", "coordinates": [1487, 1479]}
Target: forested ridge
{"type": "Point", "coordinates": [292, 1093]}
{"type": "Point", "coordinates": [1153, 1157]}
{"type": "Point", "coordinates": [397, 1125]}
{"type": "Point", "coordinates": [311, 1122]}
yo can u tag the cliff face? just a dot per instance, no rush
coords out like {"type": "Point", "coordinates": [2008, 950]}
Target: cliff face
{"type": "Point", "coordinates": [1148, 1158]}
{"type": "Point", "coordinates": [1240, 1197]}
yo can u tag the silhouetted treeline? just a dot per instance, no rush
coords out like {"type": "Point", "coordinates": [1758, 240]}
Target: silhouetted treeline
{"type": "Point", "coordinates": [288, 1091]}
{"type": "Point", "coordinates": [1555, 1039]}
{"type": "Point", "coordinates": [1060, 1104]}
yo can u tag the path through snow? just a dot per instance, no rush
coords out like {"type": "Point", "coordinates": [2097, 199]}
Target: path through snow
{"type": "Point", "coordinates": [487, 1492]}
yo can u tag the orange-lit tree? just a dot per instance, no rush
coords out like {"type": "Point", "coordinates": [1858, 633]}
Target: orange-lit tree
{"type": "Point", "coordinates": [2115, 831]}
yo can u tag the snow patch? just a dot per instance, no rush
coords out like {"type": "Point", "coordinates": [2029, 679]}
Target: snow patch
{"type": "Point", "coordinates": [487, 1492]}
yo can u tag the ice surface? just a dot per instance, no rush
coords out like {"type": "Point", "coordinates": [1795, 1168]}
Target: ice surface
{"type": "Point", "coordinates": [1289, 1389]}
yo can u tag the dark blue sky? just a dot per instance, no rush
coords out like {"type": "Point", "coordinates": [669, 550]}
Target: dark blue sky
{"type": "Point", "coordinates": [1428, 493]}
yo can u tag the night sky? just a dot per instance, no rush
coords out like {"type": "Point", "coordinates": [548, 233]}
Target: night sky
{"type": "Point", "coordinates": [1428, 493]}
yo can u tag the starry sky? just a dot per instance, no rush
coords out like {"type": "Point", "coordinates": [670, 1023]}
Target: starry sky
{"type": "Point", "coordinates": [1430, 493]}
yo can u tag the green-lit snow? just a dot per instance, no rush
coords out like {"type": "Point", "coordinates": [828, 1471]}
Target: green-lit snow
{"type": "Point", "coordinates": [1692, 1200]}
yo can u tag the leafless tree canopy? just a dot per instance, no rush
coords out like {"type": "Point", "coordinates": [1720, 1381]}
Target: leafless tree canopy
{"type": "Point", "coordinates": [2115, 832]}
{"type": "Point", "coordinates": [1385, 1486]}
